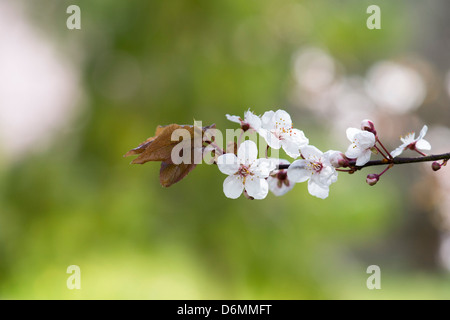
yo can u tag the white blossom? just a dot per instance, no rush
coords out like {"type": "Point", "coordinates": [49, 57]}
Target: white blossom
{"type": "Point", "coordinates": [361, 147]}
{"type": "Point", "coordinates": [277, 130]}
{"type": "Point", "coordinates": [279, 184]}
{"type": "Point", "coordinates": [250, 121]}
{"type": "Point", "coordinates": [409, 142]}
{"type": "Point", "coordinates": [245, 171]}
{"type": "Point", "coordinates": [314, 168]}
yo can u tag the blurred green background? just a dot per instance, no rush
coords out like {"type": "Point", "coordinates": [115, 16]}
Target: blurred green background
{"type": "Point", "coordinates": [68, 197]}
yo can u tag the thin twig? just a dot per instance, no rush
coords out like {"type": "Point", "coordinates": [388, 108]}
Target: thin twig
{"type": "Point", "coordinates": [352, 163]}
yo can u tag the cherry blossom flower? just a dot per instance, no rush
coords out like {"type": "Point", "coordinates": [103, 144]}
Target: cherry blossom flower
{"type": "Point", "coordinates": [245, 171]}
{"type": "Point", "coordinates": [409, 142]}
{"type": "Point", "coordinates": [279, 184]}
{"type": "Point", "coordinates": [316, 168]}
{"type": "Point", "coordinates": [250, 122]}
{"type": "Point", "coordinates": [361, 147]}
{"type": "Point", "coordinates": [277, 130]}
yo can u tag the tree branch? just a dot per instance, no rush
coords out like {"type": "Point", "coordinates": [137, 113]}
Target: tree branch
{"type": "Point", "coordinates": [352, 163]}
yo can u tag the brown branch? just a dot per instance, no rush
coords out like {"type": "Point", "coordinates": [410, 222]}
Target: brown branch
{"type": "Point", "coordinates": [352, 163]}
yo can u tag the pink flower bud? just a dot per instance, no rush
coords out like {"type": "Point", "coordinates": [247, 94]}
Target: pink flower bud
{"type": "Point", "coordinates": [435, 166]}
{"type": "Point", "coordinates": [367, 125]}
{"type": "Point", "coordinates": [338, 159]}
{"type": "Point", "coordinates": [372, 179]}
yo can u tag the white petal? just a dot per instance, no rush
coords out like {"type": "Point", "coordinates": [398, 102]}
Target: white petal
{"type": "Point", "coordinates": [298, 137]}
{"type": "Point", "coordinates": [253, 120]}
{"type": "Point", "coordinates": [247, 152]}
{"type": "Point", "coordinates": [353, 151]}
{"type": "Point", "coordinates": [278, 190]}
{"type": "Point", "coordinates": [398, 151]}
{"type": "Point", "coordinates": [365, 139]}
{"type": "Point", "coordinates": [291, 148]}
{"type": "Point", "coordinates": [327, 175]}
{"type": "Point", "coordinates": [408, 139]}
{"type": "Point", "coordinates": [228, 163]}
{"type": "Point", "coordinates": [233, 186]}
{"type": "Point", "coordinates": [263, 167]}
{"type": "Point", "coordinates": [363, 158]}
{"type": "Point", "coordinates": [423, 132]}
{"type": "Point", "coordinates": [311, 152]}
{"type": "Point", "coordinates": [423, 144]}
{"type": "Point", "coordinates": [277, 161]}
{"type": "Point", "coordinates": [299, 171]}
{"type": "Point", "coordinates": [266, 120]}
{"type": "Point", "coordinates": [233, 118]}
{"type": "Point", "coordinates": [282, 119]}
{"type": "Point", "coordinates": [272, 140]}
{"type": "Point", "coordinates": [318, 190]}
{"type": "Point", "coordinates": [256, 187]}
{"type": "Point", "coordinates": [293, 142]}
{"type": "Point", "coordinates": [351, 133]}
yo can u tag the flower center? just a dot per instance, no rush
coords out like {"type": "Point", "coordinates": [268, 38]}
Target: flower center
{"type": "Point", "coordinates": [245, 126]}
{"type": "Point", "coordinates": [281, 129]}
{"type": "Point", "coordinates": [282, 175]}
{"type": "Point", "coordinates": [244, 171]}
{"type": "Point", "coordinates": [316, 166]}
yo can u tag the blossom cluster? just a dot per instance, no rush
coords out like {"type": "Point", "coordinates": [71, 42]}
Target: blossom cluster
{"type": "Point", "coordinates": [255, 176]}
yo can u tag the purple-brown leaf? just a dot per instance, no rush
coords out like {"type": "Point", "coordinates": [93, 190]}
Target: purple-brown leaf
{"type": "Point", "coordinates": [160, 146]}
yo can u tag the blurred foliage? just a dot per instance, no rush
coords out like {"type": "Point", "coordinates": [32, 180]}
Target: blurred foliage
{"type": "Point", "coordinates": [146, 63]}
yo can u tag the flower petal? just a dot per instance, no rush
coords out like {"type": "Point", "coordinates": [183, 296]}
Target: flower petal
{"type": "Point", "coordinates": [247, 152]}
{"type": "Point", "coordinates": [282, 119]}
{"type": "Point", "coordinates": [298, 136]}
{"type": "Point", "coordinates": [365, 139]}
{"type": "Point", "coordinates": [253, 120]}
{"type": "Point", "coordinates": [272, 140]}
{"type": "Point", "coordinates": [256, 187]}
{"type": "Point", "coordinates": [423, 144]}
{"type": "Point", "coordinates": [291, 148]}
{"type": "Point", "coordinates": [364, 157]}
{"type": "Point", "coordinates": [398, 151]}
{"type": "Point", "coordinates": [351, 133]}
{"type": "Point", "coordinates": [233, 186]}
{"type": "Point", "coordinates": [353, 151]}
{"type": "Point", "coordinates": [311, 152]}
{"type": "Point", "coordinates": [327, 175]}
{"type": "Point", "coordinates": [277, 188]}
{"type": "Point", "coordinates": [233, 118]}
{"type": "Point", "coordinates": [408, 139]}
{"type": "Point", "coordinates": [318, 190]}
{"type": "Point", "coordinates": [299, 171]}
{"type": "Point", "coordinates": [278, 161]}
{"type": "Point", "coordinates": [293, 142]}
{"type": "Point", "coordinates": [422, 133]}
{"type": "Point", "coordinates": [228, 163]}
{"type": "Point", "coordinates": [266, 120]}
{"type": "Point", "coordinates": [263, 167]}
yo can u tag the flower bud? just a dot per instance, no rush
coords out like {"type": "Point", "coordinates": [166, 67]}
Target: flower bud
{"type": "Point", "coordinates": [435, 166]}
{"type": "Point", "coordinates": [368, 125]}
{"type": "Point", "coordinates": [372, 179]}
{"type": "Point", "coordinates": [338, 159]}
